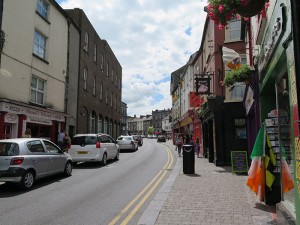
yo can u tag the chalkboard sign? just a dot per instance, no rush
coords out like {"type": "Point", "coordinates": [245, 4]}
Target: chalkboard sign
{"type": "Point", "coordinates": [239, 162]}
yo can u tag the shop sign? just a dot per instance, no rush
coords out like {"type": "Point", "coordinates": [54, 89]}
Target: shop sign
{"type": "Point", "coordinates": [186, 121]}
{"type": "Point", "coordinates": [10, 118]}
{"type": "Point", "coordinates": [273, 37]}
{"type": "Point", "coordinates": [39, 121]}
{"type": "Point", "coordinates": [202, 82]}
{"type": "Point", "coordinates": [11, 108]}
{"type": "Point", "coordinates": [248, 99]}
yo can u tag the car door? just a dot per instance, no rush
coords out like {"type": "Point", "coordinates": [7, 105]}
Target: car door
{"type": "Point", "coordinates": [108, 146]}
{"type": "Point", "coordinates": [39, 159]}
{"type": "Point", "coordinates": [113, 147]}
{"type": "Point", "coordinates": [57, 158]}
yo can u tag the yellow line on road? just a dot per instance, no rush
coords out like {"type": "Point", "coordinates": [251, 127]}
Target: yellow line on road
{"type": "Point", "coordinates": [167, 165]}
{"type": "Point", "coordinates": [132, 213]}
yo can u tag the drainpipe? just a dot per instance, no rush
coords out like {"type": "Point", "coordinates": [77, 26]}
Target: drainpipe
{"type": "Point", "coordinates": [2, 34]}
{"type": "Point", "coordinates": [295, 8]}
{"type": "Point", "coordinates": [250, 44]}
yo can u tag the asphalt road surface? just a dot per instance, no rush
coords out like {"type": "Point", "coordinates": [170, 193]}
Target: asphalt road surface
{"type": "Point", "coordinates": [117, 193]}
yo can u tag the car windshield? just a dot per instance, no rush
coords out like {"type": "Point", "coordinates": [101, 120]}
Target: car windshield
{"type": "Point", "coordinates": [9, 149]}
{"type": "Point", "coordinates": [87, 140]}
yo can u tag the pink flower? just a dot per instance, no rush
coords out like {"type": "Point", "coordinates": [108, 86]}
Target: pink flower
{"type": "Point", "coordinates": [221, 8]}
{"type": "Point", "coordinates": [246, 18]}
{"type": "Point", "coordinates": [220, 26]}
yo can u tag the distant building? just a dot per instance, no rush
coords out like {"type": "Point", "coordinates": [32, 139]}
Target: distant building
{"type": "Point", "coordinates": [167, 126]}
{"type": "Point", "coordinates": [157, 116]}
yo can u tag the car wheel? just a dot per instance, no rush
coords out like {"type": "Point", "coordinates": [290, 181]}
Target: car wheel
{"type": "Point", "coordinates": [27, 180]}
{"type": "Point", "coordinates": [104, 159]}
{"type": "Point", "coordinates": [68, 169]}
{"type": "Point", "coordinates": [117, 157]}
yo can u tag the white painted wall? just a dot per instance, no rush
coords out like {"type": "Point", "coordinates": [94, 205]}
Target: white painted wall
{"type": "Point", "coordinates": [17, 61]}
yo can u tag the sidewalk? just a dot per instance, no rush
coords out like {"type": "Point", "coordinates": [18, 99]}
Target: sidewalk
{"type": "Point", "coordinates": [211, 196]}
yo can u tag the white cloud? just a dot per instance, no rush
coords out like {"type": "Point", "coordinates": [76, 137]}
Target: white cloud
{"type": "Point", "coordinates": [150, 41]}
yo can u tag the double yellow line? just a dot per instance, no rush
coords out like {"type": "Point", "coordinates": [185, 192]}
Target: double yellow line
{"type": "Point", "coordinates": [155, 182]}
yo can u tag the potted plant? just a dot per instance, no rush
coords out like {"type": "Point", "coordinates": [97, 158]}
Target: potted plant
{"type": "Point", "coordinates": [242, 74]}
{"type": "Point", "coordinates": [222, 11]}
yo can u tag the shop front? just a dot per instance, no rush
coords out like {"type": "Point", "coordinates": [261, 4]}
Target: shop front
{"type": "Point", "coordinates": [279, 103]}
{"type": "Point", "coordinates": [15, 117]}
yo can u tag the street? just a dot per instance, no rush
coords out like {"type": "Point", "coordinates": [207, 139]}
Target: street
{"type": "Point", "coordinates": [117, 193]}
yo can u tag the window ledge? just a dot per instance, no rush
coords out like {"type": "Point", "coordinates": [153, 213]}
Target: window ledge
{"type": "Point", "coordinates": [232, 41]}
{"type": "Point", "coordinates": [45, 19]}
{"type": "Point", "coordinates": [45, 61]}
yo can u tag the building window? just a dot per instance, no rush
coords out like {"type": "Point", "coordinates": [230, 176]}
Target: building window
{"type": "Point", "coordinates": [235, 29]}
{"type": "Point", "coordinates": [112, 74]}
{"type": "Point", "coordinates": [240, 128]}
{"type": "Point", "coordinates": [115, 102]}
{"type": "Point", "coordinates": [116, 79]}
{"type": "Point", "coordinates": [37, 90]}
{"type": "Point", "coordinates": [105, 126]}
{"type": "Point", "coordinates": [106, 96]}
{"type": "Point", "coordinates": [95, 53]}
{"type": "Point", "coordinates": [99, 124]}
{"type": "Point", "coordinates": [39, 47]}
{"type": "Point", "coordinates": [110, 128]}
{"type": "Point", "coordinates": [92, 123]}
{"type": "Point", "coordinates": [42, 8]}
{"type": "Point", "coordinates": [94, 87]}
{"type": "Point", "coordinates": [86, 41]}
{"type": "Point", "coordinates": [111, 100]}
{"type": "Point", "coordinates": [85, 74]}
{"type": "Point", "coordinates": [107, 70]}
{"type": "Point", "coordinates": [102, 62]}
{"type": "Point", "coordinates": [101, 91]}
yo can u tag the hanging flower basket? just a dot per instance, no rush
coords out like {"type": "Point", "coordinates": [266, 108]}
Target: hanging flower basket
{"type": "Point", "coordinates": [250, 8]}
{"type": "Point", "coordinates": [242, 74]}
{"type": "Point", "coordinates": [222, 11]}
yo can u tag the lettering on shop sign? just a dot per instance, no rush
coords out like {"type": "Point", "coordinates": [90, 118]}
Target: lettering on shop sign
{"type": "Point", "coordinates": [10, 108]}
{"type": "Point", "coordinates": [239, 162]}
{"type": "Point", "coordinates": [297, 170]}
{"type": "Point", "coordinates": [274, 34]}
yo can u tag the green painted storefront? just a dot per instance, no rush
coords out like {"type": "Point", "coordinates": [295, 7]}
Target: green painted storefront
{"type": "Point", "coordinates": [278, 92]}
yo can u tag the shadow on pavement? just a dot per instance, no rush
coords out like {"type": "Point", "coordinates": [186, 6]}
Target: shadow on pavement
{"type": "Point", "coordinates": [193, 175]}
{"type": "Point", "coordinates": [266, 208]}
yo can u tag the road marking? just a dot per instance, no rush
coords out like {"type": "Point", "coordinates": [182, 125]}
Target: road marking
{"type": "Point", "coordinates": [158, 178]}
{"type": "Point", "coordinates": [132, 213]}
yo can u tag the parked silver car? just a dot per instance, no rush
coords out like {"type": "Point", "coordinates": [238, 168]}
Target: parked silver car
{"type": "Point", "coordinates": [25, 160]}
{"type": "Point", "coordinates": [93, 148]}
{"type": "Point", "coordinates": [128, 143]}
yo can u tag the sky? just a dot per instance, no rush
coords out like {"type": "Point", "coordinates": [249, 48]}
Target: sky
{"type": "Point", "coordinates": [151, 39]}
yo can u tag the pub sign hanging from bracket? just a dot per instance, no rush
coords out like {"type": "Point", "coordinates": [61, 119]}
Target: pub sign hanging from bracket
{"type": "Point", "coordinates": [202, 82]}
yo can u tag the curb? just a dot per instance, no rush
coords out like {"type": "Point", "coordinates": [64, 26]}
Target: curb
{"type": "Point", "coordinates": [151, 213]}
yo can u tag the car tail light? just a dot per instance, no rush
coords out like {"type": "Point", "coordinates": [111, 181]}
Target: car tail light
{"type": "Point", "coordinates": [132, 142]}
{"type": "Point", "coordinates": [98, 144]}
{"type": "Point", "coordinates": [16, 161]}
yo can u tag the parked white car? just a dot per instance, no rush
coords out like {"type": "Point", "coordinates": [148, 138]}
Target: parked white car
{"type": "Point", "coordinates": [93, 148]}
{"type": "Point", "coordinates": [127, 143]}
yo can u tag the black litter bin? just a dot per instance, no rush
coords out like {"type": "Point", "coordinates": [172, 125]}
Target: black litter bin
{"type": "Point", "coordinates": [188, 159]}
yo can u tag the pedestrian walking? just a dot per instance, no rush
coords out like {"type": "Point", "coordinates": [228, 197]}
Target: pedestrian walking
{"type": "Point", "coordinates": [27, 133]}
{"type": "Point", "coordinates": [179, 143]}
{"type": "Point", "coordinates": [197, 147]}
{"type": "Point", "coordinates": [67, 142]}
{"type": "Point", "coordinates": [60, 139]}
